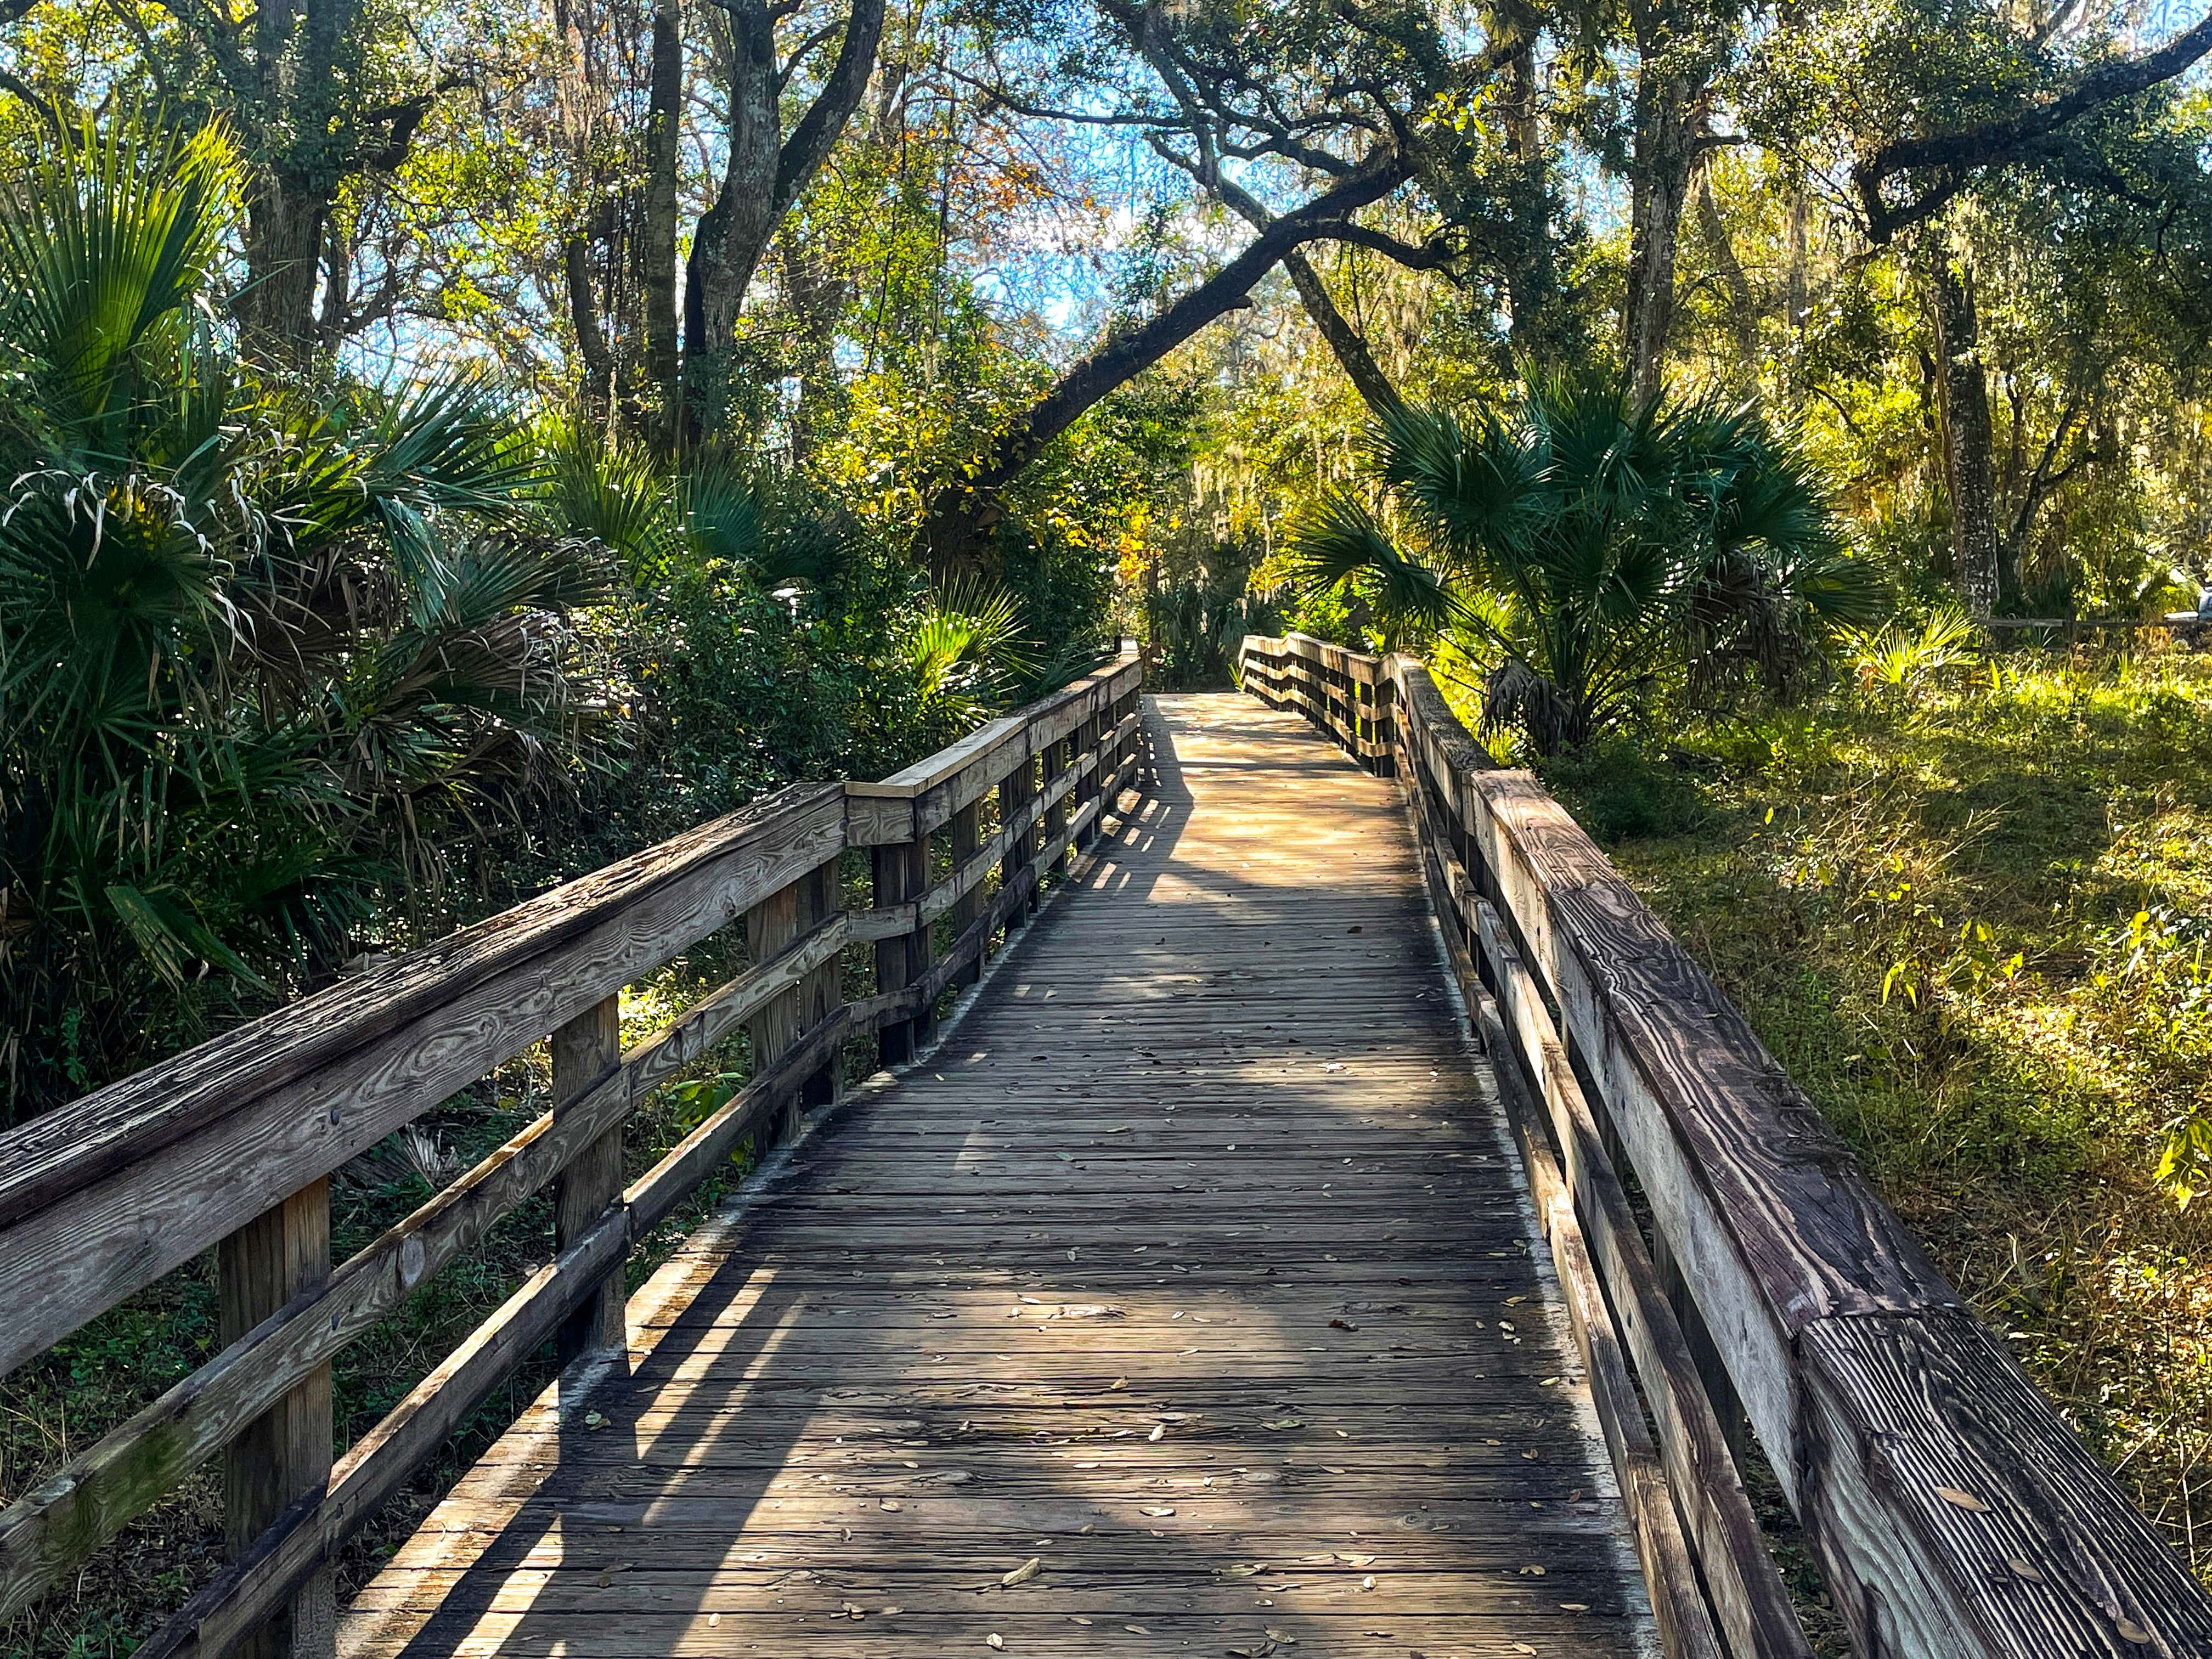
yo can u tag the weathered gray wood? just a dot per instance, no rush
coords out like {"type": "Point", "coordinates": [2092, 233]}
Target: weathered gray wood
{"type": "Point", "coordinates": [1686, 1628]}
{"type": "Point", "coordinates": [885, 1371]}
{"type": "Point", "coordinates": [309, 1533]}
{"type": "Point", "coordinates": [1790, 1254]}
{"type": "Point", "coordinates": [656, 1193]}
{"type": "Point", "coordinates": [286, 1098]}
{"type": "Point", "coordinates": [285, 1452]}
{"type": "Point", "coordinates": [902, 873]}
{"type": "Point", "coordinates": [968, 852]}
{"type": "Point", "coordinates": [821, 990]}
{"type": "Point", "coordinates": [586, 1052]}
{"type": "Point", "coordinates": [1749, 1600]}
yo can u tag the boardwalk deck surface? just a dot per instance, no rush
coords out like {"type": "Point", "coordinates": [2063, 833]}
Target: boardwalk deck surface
{"type": "Point", "coordinates": [1192, 1267]}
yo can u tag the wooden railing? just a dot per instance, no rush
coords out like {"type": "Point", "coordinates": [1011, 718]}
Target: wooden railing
{"type": "Point", "coordinates": [1951, 1510]}
{"type": "Point", "coordinates": [232, 1144]}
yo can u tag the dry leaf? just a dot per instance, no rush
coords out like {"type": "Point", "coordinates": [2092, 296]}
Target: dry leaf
{"type": "Point", "coordinates": [1155, 1510]}
{"type": "Point", "coordinates": [1137, 1629]}
{"type": "Point", "coordinates": [1023, 1573]}
{"type": "Point", "coordinates": [1532, 1572]}
{"type": "Point", "coordinates": [2131, 1632]}
{"type": "Point", "coordinates": [995, 1640]}
{"type": "Point", "coordinates": [1342, 1325]}
{"type": "Point", "coordinates": [2025, 1569]}
{"type": "Point", "coordinates": [1965, 1500]}
{"type": "Point", "coordinates": [1158, 1429]}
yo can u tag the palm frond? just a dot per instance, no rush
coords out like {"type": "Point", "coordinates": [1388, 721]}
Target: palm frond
{"type": "Point", "coordinates": [1341, 539]}
{"type": "Point", "coordinates": [103, 242]}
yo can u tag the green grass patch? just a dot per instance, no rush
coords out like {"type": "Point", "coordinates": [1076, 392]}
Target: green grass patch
{"type": "Point", "coordinates": [1972, 919]}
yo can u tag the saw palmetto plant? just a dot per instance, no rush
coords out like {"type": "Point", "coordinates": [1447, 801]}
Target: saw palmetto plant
{"type": "Point", "coordinates": [1577, 547]}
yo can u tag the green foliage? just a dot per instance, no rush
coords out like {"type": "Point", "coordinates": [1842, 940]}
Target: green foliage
{"type": "Point", "coordinates": [1578, 545]}
{"type": "Point", "coordinates": [1970, 921]}
{"type": "Point", "coordinates": [1899, 655]}
{"type": "Point", "coordinates": [260, 662]}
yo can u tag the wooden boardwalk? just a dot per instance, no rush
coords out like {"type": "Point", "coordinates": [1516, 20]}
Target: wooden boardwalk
{"type": "Point", "coordinates": [1182, 1302]}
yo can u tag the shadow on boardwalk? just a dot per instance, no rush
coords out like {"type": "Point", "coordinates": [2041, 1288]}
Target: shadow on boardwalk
{"type": "Point", "coordinates": [1192, 1266]}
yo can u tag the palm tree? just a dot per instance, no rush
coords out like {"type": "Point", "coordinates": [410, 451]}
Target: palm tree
{"type": "Point", "coordinates": [1575, 544]}
{"type": "Point", "coordinates": [265, 659]}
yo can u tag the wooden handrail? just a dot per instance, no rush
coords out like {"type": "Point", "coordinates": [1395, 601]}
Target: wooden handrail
{"type": "Point", "coordinates": [104, 1195]}
{"type": "Point", "coordinates": [1953, 1512]}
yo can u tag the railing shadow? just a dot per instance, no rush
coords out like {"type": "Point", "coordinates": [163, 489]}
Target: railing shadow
{"type": "Point", "coordinates": [697, 1451]}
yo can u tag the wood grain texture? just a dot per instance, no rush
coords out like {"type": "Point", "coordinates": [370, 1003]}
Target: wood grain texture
{"type": "Point", "coordinates": [1749, 1600]}
{"type": "Point", "coordinates": [1210, 1323]}
{"type": "Point", "coordinates": [150, 1171]}
{"type": "Point", "coordinates": [1867, 1383]}
{"type": "Point", "coordinates": [1670, 1571]}
{"type": "Point", "coordinates": [586, 1052]}
{"type": "Point", "coordinates": [305, 1538]}
{"type": "Point", "coordinates": [285, 1453]}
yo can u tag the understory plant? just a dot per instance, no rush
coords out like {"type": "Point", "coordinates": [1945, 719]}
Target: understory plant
{"type": "Point", "coordinates": [1577, 547]}
{"type": "Point", "coordinates": [267, 659]}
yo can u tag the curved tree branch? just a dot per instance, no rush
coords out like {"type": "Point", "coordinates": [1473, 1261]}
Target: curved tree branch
{"type": "Point", "coordinates": [1959, 155]}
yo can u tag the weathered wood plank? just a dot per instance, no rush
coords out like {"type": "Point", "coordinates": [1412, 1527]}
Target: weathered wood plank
{"type": "Point", "coordinates": [1795, 1265]}
{"type": "Point", "coordinates": [299, 1546]}
{"type": "Point", "coordinates": [284, 1453]}
{"type": "Point", "coordinates": [1749, 1596]}
{"type": "Point", "coordinates": [586, 1052]}
{"type": "Point", "coordinates": [1686, 1628]}
{"type": "Point", "coordinates": [290, 1097]}
{"type": "Point", "coordinates": [1316, 1326]}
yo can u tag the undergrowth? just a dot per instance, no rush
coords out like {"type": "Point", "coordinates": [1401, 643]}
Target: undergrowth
{"type": "Point", "coordinates": [1969, 914]}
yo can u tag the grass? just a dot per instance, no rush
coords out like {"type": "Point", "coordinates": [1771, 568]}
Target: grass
{"type": "Point", "coordinates": [1969, 915]}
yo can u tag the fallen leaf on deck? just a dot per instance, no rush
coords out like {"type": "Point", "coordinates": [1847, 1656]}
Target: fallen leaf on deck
{"type": "Point", "coordinates": [1023, 1573]}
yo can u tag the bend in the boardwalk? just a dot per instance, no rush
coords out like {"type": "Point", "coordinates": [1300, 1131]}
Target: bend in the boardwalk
{"type": "Point", "coordinates": [1193, 1267]}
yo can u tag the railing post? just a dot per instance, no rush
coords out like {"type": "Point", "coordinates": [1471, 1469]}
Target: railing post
{"type": "Point", "coordinates": [585, 1051]}
{"type": "Point", "coordinates": [286, 1452]}
{"type": "Point", "coordinates": [821, 992]}
{"type": "Point", "coordinates": [1089, 788]}
{"type": "Point", "coordinates": [1385, 723]}
{"type": "Point", "coordinates": [1015, 791]}
{"type": "Point", "coordinates": [901, 876]}
{"type": "Point", "coordinates": [967, 842]}
{"type": "Point", "coordinates": [1055, 815]}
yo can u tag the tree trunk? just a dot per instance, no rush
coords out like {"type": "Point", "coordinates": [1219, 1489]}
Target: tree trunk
{"type": "Point", "coordinates": [592, 357]}
{"type": "Point", "coordinates": [1665, 153]}
{"type": "Point", "coordinates": [959, 512]}
{"type": "Point", "coordinates": [1743, 308]}
{"type": "Point", "coordinates": [731, 235]}
{"type": "Point", "coordinates": [764, 177]}
{"type": "Point", "coordinates": [276, 309]}
{"type": "Point", "coordinates": [1345, 342]}
{"type": "Point", "coordinates": [1963, 403]}
{"type": "Point", "coordinates": [657, 237]}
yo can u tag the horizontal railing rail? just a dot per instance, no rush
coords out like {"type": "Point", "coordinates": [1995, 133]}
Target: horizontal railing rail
{"type": "Point", "coordinates": [1951, 1509]}
{"type": "Point", "coordinates": [231, 1145]}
